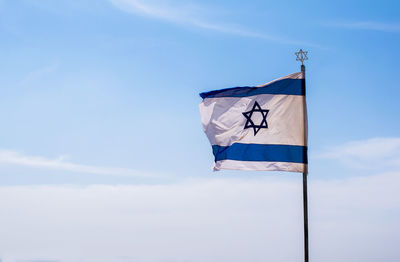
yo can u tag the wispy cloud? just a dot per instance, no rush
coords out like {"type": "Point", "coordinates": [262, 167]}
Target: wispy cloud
{"type": "Point", "coordinates": [38, 74]}
{"type": "Point", "coordinates": [368, 25]}
{"type": "Point", "coordinates": [370, 153]}
{"type": "Point", "coordinates": [191, 15]}
{"type": "Point", "coordinates": [60, 163]}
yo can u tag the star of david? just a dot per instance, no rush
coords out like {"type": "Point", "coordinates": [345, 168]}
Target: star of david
{"type": "Point", "coordinates": [250, 123]}
{"type": "Point", "coordinates": [301, 56]}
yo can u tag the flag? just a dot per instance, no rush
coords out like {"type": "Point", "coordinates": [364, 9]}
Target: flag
{"type": "Point", "coordinates": [258, 128]}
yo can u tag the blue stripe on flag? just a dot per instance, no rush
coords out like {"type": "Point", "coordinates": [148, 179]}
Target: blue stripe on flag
{"type": "Point", "coordinates": [260, 152]}
{"type": "Point", "coordinates": [285, 86]}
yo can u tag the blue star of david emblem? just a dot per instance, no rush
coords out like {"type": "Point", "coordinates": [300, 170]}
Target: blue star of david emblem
{"type": "Point", "coordinates": [250, 123]}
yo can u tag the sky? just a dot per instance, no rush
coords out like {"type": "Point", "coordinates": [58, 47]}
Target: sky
{"type": "Point", "coordinates": [103, 157]}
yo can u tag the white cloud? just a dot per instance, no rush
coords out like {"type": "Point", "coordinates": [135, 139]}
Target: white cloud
{"type": "Point", "coordinates": [191, 15]}
{"type": "Point", "coordinates": [218, 220]}
{"type": "Point", "coordinates": [369, 25]}
{"type": "Point", "coordinates": [60, 163]}
{"type": "Point", "coordinates": [369, 154]}
{"type": "Point", "coordinates": [38, 74]}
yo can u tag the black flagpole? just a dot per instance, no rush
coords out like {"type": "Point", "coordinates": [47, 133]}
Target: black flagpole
{"type": "Point", "coordinates": [305, 212]}
{"type": "Point", "coordinates": [301, 56]}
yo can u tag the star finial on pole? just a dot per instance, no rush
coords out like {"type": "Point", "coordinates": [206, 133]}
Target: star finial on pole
{"type": "Point", "coordinates": [301, 56]}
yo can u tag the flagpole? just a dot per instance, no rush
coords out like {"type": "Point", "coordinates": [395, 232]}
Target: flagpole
{"type": "Point", "coordinates": [301, 56]}
{"type": "Point", "coordinates": [305, 212]}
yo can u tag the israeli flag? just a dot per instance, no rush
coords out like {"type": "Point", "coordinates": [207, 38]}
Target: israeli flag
{"type": "Point", "coordinates": [258, 128]}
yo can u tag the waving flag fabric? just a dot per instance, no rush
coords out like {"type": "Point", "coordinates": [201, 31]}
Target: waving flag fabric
{"type": "Point", "coordinates": [258, 128]}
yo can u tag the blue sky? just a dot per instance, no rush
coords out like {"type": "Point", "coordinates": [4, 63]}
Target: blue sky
{"type": "Point", "coordinates": [105, 94]}
{"type": "Point", "coordinates": [115, 83]}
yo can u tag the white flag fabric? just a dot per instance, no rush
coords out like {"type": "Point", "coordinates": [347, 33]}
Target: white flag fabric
{"type": "Point", "coordinates": [258, 128]}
